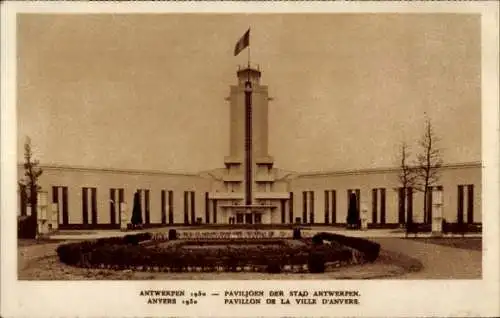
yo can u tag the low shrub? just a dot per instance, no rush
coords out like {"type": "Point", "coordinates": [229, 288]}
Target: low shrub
{"type": "Point", "coordinates": [414, 228]}
{"type": "Point", "coordinates": [83, 253]}
{"type": "Point", "coordinates": [317, 240]}
{"type": "Point", "coordinates": [135, 239]}
{"type": "Point", "coordinates": [26, 227]}
{"type": "Point", "coordinates": [461, 228]}
{"type": "Point", "coordinates": [316, 260]}
{"type": "Point", "coordinates": [110, 240]}
{"type": "Point", "coordinates": [369, 249]}
{"type": "Point", "coordinates": [274, 266]}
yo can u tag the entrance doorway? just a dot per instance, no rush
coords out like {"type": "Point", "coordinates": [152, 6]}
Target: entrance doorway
{"type": "Point", "coordinates": [245, 217]}
{"type": "Point", "coordinates": [248, 218]}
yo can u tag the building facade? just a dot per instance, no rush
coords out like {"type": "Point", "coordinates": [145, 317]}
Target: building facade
{"type": "Point", "coordinates": [249, 189]}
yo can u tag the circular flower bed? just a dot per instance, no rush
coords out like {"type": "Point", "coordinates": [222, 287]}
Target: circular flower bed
{"type": "Point", "coordinates": [140, 252]}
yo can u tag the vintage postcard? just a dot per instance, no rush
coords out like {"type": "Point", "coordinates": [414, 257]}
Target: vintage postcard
{"type": "Point", "coordinates": [249, 159]}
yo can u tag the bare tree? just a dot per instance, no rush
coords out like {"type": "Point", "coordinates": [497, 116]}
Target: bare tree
{"type": "Point", "coordinates": [407, 174]}
{"type": "Point", "coordinates": [407, 177]}
{"type": "Point", "coordinates": [428, 163]}
{"type": "Point", "coordinates": [29, 182]}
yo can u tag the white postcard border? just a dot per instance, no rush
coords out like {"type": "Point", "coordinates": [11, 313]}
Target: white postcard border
{"type": "Point", "coordinates": [378, 297]}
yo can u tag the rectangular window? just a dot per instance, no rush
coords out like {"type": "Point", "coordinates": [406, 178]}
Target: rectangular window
{"type": "Point", "coordinates": [215, 211]}
{"type": "Point", "coordinates": [207, 208]}
{"type": "Point", "coordinates": [163, 202]}
{"type": "Point", "coordinates": [374, 206]}
{"type": "Point", "coordinates": [171, 207]}
{"type": "Point", "coordinates": [304, 206]}
{"type": "Point", "coordinates": [186, 203]}
{"type": "Point", "coordinates": [94, 205]}
{"type": "Point", "coordinates": [60, 198]}
{"type": "Point", "coordinates": [55, 194]}
{"type": "Point", "coordinates": [121, 201]}
{"type": "Point", "coordinates": [144, 199]}
{"type": "Point", "coordinates": [470, 203]}
{"type": "Point", "coordinates": [311, 207]}
{"type": "Point", "coordinates": [428, 212]}
{"type": "Point", "coordinates": [401, 206]}
{"type": "Point", "coordinates": [193, 213]}
{"type": "Point", "coordinates": [465, 204]}
{"type": "Point", "coordinates": [85, 212]}
{"type": "Point", "coordinates": [290, 209]}
{"type": "Point", "coordinates": [382, 206]}
{"type": "Point", "coordinates": [358, 198]}
{"type": "Point", "coordinates": [115, 202]}
{"type": "Point", "coordinates": [65, 214]}
{"type": "Point", "coordinates": [357, 192]}
{"type": "Point", "coordinates": [283, 211]}
{"type": "Point", "coordinates": [409, 206]}
{"type": "Point", "coordinates": [327, 206]}
{"type": "Point", "coordinates": [334, 206]}
{"type": "Point", "coordinates": [112, 206]}
{"type": "Point", "coordinates": [460, 205]}
{"type": "Point", "coordinates": [146, 207]}
{"type": "Point", "coordinates": [92, 193]}
{"type": "Point", "coordinates": [378, 205]}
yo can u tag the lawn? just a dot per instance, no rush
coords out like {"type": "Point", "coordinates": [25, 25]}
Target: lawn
{"type": "Point", "coordinates": [468, 243]}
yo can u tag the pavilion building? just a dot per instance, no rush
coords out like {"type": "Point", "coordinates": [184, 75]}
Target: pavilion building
{"type": "Point", "coordinates": [248, 189]}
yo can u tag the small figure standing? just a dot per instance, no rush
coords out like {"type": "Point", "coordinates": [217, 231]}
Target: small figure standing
{"type": "Point", "coordinates": [364, 216]}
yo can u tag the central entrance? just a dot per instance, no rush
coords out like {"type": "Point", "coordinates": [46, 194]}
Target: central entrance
{"type": "Point", "coordinates": [248, 218]}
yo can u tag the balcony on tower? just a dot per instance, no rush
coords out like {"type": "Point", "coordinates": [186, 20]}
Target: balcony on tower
{"type": "Point", "coordinates": [264, 160]}
{"type": "Point", "coordinates": [226, 195]}
{"type": "Point", "coordinates": [264, 178]}
{"type": "Point", "coordinates": [232, 178]}
{"type": "Point", "coordinates": [232, 160]}
{"type": "Point", "coordinates": [271, 195]}
{"type": "Point", "coordinates": [248, 73]}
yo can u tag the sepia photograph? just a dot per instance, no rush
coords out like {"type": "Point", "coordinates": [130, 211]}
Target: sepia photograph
{"type": "Point", "coordinates": [307, 147]}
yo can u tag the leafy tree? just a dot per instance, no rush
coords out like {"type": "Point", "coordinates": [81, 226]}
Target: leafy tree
{"type": "Point", "coordinates": [30, 183]}
{"type": "Point", "coordinates": [428, 163]}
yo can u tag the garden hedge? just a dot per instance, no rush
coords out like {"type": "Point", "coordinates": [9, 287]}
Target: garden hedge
{"type": "Point", "coordinates": [461, 228]}
{"type": "Point", "coordinates": [269, 255]}
{"type": "Point", "coordinates": [370, 250]}
{"type": "Point", "coordinates": [453, 228]}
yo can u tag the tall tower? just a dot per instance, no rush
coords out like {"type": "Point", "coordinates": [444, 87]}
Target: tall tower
{"type": "Point", "coordinates": [247, 195]}
{"type": "Point", "coordinates": [248, 145]}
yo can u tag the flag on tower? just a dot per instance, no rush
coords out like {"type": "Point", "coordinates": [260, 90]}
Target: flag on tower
{"type": "Point", "coordinates": [242, 43]}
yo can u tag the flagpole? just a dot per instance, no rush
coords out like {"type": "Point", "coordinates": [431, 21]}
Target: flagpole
{"type": "Point", "coordinates": [249, 57]}
{"type": "Point", "coordinates": [248, 47]}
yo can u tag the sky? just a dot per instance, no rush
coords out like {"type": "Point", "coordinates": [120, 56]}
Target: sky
{"type": "Point", "coordinates": [147, 91]}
